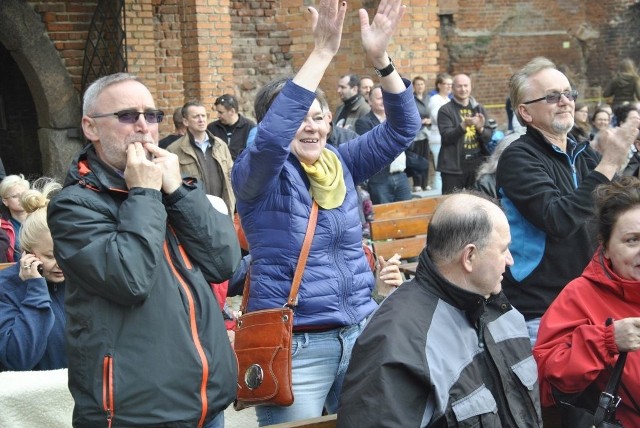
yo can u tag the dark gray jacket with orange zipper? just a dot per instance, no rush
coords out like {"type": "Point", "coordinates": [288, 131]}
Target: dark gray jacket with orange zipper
{"type": "Point", "coordinates": [146, 341]}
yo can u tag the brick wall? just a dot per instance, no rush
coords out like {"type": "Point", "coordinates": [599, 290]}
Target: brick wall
{"type": "Point", "coordinates": [202, 48]}
{"type": "Point", "coordinates": [67, 23]}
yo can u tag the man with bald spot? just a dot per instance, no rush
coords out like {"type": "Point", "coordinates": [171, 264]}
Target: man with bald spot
{"type": "Point", "coordinates": [545, 180]}
{"type": "Point", "coordinates": [405, 369]}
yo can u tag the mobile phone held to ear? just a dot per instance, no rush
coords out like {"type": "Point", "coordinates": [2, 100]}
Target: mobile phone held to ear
{"type": "Point", "coordinates": [40, 268]}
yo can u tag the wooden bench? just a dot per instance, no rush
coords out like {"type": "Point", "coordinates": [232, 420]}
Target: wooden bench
{"type": "Point", "coordinates": [401, 227]}
{"type": "Point", "coordinates": [6, 265]}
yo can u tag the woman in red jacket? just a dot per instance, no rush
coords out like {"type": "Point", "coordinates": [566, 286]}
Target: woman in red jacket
{"type": "Point", "coordinates": [575, 346]}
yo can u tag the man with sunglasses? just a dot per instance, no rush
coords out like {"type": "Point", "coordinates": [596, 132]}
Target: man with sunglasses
{"type": "Point", "coordinates": [545, 180]}
{"type": "Point", "coordinates": [204, 156]}
{"type": "Point", "coordinates": [139, 245]}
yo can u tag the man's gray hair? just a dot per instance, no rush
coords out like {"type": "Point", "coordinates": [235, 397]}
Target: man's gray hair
{"type": "Point", "coordinates": [519, 82]}
{"type": "Point", "coordinates": [98, 86]}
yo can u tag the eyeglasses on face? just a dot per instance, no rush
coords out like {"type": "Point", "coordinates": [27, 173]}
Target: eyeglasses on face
{"type": "Point", "coordinates": [554, 97]}
{"type": "Point", "coordinates": [131, 116]}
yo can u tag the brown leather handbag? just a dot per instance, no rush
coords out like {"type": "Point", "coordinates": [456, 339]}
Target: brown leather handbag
{"type": "Point", "coordinates": [263, 342]}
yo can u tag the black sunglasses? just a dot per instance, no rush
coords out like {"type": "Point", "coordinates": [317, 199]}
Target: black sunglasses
{"type": "Point", "coordinates": [554, 97]}
{"type": "Point", "coordinates": [131, 116]}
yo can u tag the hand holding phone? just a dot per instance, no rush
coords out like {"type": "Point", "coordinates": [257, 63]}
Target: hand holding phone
{"type": "Point", "coordinates": [29, 265]}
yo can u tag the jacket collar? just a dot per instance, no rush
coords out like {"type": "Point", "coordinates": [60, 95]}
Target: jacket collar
{"type": "Point", "coordinates": [473, 304]}
{"type": "Point", "coordinates": [89, 171]}
{"type": "Point", "coordinates": [600, 272]}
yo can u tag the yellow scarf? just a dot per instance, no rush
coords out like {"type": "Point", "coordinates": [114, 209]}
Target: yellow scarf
{"type": "Point", "coordinates": [327, 181]}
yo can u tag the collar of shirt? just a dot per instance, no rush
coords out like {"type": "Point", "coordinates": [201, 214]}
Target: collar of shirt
{"type": "Point", "coordinates": [203, 145]}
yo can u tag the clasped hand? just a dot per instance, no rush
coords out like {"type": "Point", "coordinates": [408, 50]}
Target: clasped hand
{"type": "Point", "coordinates": [149, 166]}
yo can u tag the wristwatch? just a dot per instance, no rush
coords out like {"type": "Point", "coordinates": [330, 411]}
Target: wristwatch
{"type": "Point", "coordinates": [387, 70]}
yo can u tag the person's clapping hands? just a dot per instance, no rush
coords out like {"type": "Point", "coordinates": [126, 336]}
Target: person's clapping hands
{"type": "Point", "coordinates": [377, 34]}
{"type": "Point", "coordinates": [326, 25]}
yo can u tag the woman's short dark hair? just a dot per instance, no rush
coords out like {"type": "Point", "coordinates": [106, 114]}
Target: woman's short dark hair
{"type": "Point", "coordinates": [613, 200]}
{"type": "Point", "coordinates": [269, 92]}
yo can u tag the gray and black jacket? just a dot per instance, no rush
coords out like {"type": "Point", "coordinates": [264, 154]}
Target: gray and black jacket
{"type": "Point", "coordinates": [435, 355]}
{"type": "Point", "coordinates": [146, 342]}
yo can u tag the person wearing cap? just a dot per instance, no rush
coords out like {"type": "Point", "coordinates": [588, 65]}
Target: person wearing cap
{"type": "Point", "coordinates": [231, 127]}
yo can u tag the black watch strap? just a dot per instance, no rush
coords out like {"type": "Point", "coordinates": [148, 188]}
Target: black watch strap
{"type": "Point", "coordinates": [385, 71]}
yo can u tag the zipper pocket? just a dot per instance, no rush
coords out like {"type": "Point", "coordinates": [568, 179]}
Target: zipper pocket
{"type": "Point", "coordinates": [107, 388]}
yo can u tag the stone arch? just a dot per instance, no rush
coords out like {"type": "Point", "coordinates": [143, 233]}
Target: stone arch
{"type": "Point", "coordinates": [56, 100]}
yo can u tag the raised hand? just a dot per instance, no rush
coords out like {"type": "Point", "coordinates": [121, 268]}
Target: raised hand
{"type": "Point", "coordinates": [614, 145]}
{"type": "Point", "coordinates": [377, 34]}
{"type": "Point", "coordinates": [326, 25]}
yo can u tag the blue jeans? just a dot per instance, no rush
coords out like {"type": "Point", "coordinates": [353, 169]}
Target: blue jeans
{"type": "Point", "coordinates": [216, 422]}
{"type": "Point", "coordinates": [533, 325]}
{"type": "Point", "coordinates": [395, 188]}
{"type": "Point", "coordinates": [319, 361]}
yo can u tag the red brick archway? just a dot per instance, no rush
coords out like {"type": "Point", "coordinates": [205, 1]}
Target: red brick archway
{"type": "Point", "coordinates": [56, 101]}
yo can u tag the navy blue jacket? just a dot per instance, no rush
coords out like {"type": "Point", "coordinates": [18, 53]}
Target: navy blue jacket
{"type": "Point", "coordinates": [31, 323]}
{"type": "Point", "coordinates": [274, 204]}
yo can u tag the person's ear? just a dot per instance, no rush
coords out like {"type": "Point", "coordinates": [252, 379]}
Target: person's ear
{"type": "Point", "coordinates": [89, 129]}
{"type": "Point", "coordinates": [467, 257]}
{"type": "Point", "coordinates": [524, 113]}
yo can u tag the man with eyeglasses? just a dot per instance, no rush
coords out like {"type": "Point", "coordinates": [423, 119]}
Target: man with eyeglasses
{"type": "Point", "coordinates": [231, 126]}
{"type": "Point", "coordinates": [545, 180]}
{"type": "Point", "coordinates": [139, 246]}
{"type": "Point", "coordinates": [204, 156]}
{"type": "Point", "coordinates": [464, 137]}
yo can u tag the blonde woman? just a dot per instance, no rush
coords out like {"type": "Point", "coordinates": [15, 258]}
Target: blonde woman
{"type": "Point", "coordinates": [32, 316]}
{"type": "Point", "coordinates": [12, 214]}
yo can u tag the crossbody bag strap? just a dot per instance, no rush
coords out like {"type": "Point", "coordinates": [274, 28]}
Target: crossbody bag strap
{"type": "Point", "coordinates": [302, 262]}
{"type": "Point", "coordinates": [609, 400]}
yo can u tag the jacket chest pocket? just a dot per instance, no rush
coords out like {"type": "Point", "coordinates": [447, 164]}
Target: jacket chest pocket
{"type": "Point", "coordinates": [478, 409]}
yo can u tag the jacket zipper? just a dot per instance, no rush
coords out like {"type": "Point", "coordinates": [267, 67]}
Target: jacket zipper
{"type": "Point", "coordinates": [107, 388]}
{"type": "Point", "coordinates": [194, 333]}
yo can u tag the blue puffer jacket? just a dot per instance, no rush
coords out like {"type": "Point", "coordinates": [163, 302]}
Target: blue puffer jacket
{"type": "Point", "coordinates": [32, 323]}
{"type": "Point", "coordinates": [274, 203]}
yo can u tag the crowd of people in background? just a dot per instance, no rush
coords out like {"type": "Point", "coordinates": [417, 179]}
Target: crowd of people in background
{"type": "Point", "coordinates": [116, 272]}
